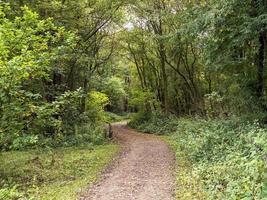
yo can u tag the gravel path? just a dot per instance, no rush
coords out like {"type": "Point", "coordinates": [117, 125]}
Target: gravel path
{"type": "Point", "coordinates": [143, 171]}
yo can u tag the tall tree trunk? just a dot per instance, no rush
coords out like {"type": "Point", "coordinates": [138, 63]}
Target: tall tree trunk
{"type": "Point", "coordinates": [260, 65]}
{"type": "Point", "coordinates": [165, 85]}
{"type": "Point", "coordinates": [85, 87]}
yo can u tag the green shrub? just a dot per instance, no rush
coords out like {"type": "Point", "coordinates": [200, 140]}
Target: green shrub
{"type": "Point", "coordinates": [24, 142]}
{"type": "Point", "coordinates": [90, 133]}
{"type": "Point", "coordinates": [139, 119]}
{"type": "Point", "coordinates": [85, 135]}
{"type": "Point", "coordinates": [113, 117]}
{"type": "Point", "coordinates": [11, 193]}
{"type": "Point", "coordinates": [154, 123]}
{"type": "Point", "coordinates": [24, 106]}
{"type": "Point", "coordinates": [95, 105]}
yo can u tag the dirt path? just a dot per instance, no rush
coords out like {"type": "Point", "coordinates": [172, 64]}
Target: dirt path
{"type": "Point", "coordinates": [143, 171]}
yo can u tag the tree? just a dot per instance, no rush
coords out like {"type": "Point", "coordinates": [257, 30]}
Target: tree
{"type": "Point", "coordinates": [29, 48]}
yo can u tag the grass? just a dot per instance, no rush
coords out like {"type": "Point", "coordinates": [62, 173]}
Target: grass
{"type": "Point", "coordinates": [53, 174]}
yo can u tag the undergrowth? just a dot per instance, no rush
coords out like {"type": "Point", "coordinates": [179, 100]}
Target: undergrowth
{"type": "Point", "coordinates": [77, 135]}
{"type": "Point", "coordinates": [49, 174]}
{"type": "Point", "coordinates": [83, 134]}
{"type": "Point", "coordinates": [217, 159]}
{"type": "Point", "coordinates": [54, 166]}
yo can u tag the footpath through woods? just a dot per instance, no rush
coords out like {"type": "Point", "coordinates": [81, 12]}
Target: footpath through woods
{"type": "Point", "coordinates": [143, 171]}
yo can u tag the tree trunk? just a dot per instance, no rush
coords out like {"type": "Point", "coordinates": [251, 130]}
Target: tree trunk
{"type": "Point", "coordinates": [83, 103]}
{"type": "Point", "coordinates": [261, 60]}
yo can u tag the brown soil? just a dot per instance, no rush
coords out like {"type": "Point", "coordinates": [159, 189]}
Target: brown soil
{"type": "Point", "coordinates": [143, 171]}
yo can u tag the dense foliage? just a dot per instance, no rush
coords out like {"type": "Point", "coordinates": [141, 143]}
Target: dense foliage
{"type": "Point", "coordinates": [69, 67]}
{"type": "Point", "coordinates": [227, 158]}
{"type": "Point", "coordinates": [205, 58]}
{"type": "Point", "coordinates": [56, 82]}
{"type": "Point", "coordinates": [46, 67]}
{"type": "Point", "coordinates": [179, 57]}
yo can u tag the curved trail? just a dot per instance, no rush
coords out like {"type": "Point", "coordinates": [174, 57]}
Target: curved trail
{"type": "Point", "coordinates": [143, 171]}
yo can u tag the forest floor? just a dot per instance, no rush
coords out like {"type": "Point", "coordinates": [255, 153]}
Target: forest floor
{"type": "Point", "coordinates": [52, 174]}
{"type": "Point", "coordinates": [143, 170]}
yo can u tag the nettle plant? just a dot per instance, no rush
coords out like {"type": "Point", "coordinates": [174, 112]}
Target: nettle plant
{"type": "Point", "coordinates": [28, 48]}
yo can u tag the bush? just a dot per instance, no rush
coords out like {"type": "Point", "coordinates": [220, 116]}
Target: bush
{"type": "Point", "coordinates": [90, 133]}
{"type": "Point", "coordinates": [25, 108]}
{"type": "Point", "coordinates": [157, 123]}
{"type": "Point", "coordinates": [113, 117]}
{"type": "Point", "coordinates": [95, 105]}
{"type": "Point", "coordinates": [84, 135]}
